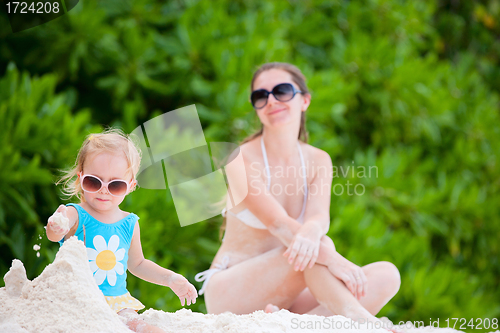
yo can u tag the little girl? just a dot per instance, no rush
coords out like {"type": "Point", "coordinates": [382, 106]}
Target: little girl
{"type": "Point", "coordinates": [105, 172]}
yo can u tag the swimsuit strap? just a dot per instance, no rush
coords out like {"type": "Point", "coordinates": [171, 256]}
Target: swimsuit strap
{"type": "Point", "coordinates": [264, 154]}
{"type": "Point", "coordinates": [206, 275]}
{"type": "Point", "coordinates": [304, 174]}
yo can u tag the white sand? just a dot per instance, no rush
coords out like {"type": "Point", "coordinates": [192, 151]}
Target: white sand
{"type": "Point", "coordinates": [65, 298]}
{"type": "Point", "coordinates": [60, 220]}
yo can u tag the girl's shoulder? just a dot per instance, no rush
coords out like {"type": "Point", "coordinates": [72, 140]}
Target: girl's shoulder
{"type": "Point", "coordinates": [124, 214]}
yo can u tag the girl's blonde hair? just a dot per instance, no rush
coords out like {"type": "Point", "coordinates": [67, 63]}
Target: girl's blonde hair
{"type": "Point", "coordinates": [112, 140]}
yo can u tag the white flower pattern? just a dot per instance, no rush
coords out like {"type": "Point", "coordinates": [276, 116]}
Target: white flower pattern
{"type": "Point", "coordinates": [105, 260]}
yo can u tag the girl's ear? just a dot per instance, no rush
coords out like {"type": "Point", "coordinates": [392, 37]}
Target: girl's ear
{"type": "Point", "coordinates": [132, 186]}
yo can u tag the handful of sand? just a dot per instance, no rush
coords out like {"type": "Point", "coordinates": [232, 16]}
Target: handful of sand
{"type": "Point", "coordinates": [58, 219]}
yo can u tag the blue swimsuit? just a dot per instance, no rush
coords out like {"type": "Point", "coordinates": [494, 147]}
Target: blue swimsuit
{"type": "Point", "coordinates": [107, 249]}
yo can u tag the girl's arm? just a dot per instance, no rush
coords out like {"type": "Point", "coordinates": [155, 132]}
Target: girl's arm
{"type": "Point", "coordinates": [56, 232]}
{"type": "Point", "coordinates": [149, 271]}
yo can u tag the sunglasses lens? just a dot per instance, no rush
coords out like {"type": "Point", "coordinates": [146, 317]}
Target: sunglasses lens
{"type": "Point", "coordinates": [91, 184]}
{"type": "Point", "coordinates": [283, 92]}
{"type": "Point", "coordinates": [259, 98]}
{"type": "Point", "coordinates": [117, 187]}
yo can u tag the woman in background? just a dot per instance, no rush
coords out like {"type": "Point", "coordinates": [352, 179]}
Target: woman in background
{"type": "Point", "coordinates": [275, 252]}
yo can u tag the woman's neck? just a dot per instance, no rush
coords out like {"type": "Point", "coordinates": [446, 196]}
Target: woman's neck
{"type": "Point", "coordinates": [281, 144]}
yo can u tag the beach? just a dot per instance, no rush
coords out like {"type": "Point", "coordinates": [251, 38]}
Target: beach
{"type": "Point", "coordinates": [65, 298]}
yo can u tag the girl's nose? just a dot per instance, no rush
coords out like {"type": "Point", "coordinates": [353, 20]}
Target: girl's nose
{"type": "Point", "coordinates": [104, 189]}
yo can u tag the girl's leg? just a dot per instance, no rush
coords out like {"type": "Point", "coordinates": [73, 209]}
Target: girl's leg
{"type": "Point", "coordinates": [136, 324]}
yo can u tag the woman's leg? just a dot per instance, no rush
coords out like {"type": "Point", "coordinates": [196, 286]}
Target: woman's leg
{"type": "Point", "coordinates": [249, 285]}
{"type": "Point", "coordinates": [383, 284]}
{"type": "Point", "coordinates": [268, 278]}
{"type": "Point", "coordinates": [136, 324]}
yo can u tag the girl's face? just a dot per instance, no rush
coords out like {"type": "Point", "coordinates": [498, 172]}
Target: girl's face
{"type": "Point", "coordinates": [107, 167]}
{"type": "Point", "coordinates": [276, 113]}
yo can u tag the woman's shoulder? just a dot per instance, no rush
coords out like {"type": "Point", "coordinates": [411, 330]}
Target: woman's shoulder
{"type": "Point", "coordinates": [315, 154]}
{"type": "Point", "coordinates": [251, 150]}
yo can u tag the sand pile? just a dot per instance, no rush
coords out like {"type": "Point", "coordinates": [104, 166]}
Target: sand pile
{"type": "Point", "coordinates": [65, 298]}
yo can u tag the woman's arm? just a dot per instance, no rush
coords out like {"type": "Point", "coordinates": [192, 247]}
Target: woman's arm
{"type": "Point", "coordinates": [149, 271]}
{"type": "Point", "coordinates": [319, 193]}
{"type": "Point", "coordinates": [268, 210]}
{"type": "Point", "coordinates": [304, 249]}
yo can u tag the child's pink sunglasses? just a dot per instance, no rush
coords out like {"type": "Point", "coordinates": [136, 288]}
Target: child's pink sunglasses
{"type": "Point", "coordinates": [93, 184]}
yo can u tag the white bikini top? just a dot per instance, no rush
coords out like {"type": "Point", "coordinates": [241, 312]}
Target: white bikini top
{"type": "Point", "coordinates": [246, 215]}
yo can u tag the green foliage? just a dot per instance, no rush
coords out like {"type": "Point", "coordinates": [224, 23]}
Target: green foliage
{"type": "Point", "coordinates": [408, 87]}
{"type": "Point", "coordinates": [39, 135]}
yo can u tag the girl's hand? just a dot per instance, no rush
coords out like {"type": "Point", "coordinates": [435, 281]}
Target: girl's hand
{"type": "Point", "coordinates": [351, 274]}
{"type": "Point", "coordinates": [183, 289]}
{"type": "Point", "coordinates": [59, 222]}
{"type": "Point", "coordinates": [304, 248]}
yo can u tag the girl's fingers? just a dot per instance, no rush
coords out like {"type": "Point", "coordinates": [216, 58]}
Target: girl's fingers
{"type": "Point", "coordinates": [62, 209]}
{"type": "Point", "coordinates": [192, 293]}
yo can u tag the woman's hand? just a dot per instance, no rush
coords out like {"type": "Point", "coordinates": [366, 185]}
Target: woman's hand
{"type": "Point", "coordinates": [59, 222]}
{"type": "Point", "coordinates": [351, 274]}
{"type": "Point", "coordinates": [183, 289]}
{"type": "Point", "coordinates": [304, 248]}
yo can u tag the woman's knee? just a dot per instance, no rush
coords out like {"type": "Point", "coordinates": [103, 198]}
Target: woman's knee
{"type": "Point", "coordinates": [392, 277]}
{"type": "Point", "coordinates": [328, 241]}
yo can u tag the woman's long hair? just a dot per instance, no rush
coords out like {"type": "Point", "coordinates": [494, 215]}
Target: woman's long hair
{"type": "Point", "coordinates": [299, 79]}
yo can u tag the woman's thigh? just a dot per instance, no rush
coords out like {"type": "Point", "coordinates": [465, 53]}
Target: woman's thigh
{"type": "Point", "coordinates": [252, 284]}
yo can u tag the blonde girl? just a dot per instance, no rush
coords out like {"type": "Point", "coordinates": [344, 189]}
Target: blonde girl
{"type": "Point", "coordinates": [104, 173]}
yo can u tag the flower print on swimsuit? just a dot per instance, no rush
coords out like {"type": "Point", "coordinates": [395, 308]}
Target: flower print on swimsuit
{"type": "Point", "coordinates": [105, 259]}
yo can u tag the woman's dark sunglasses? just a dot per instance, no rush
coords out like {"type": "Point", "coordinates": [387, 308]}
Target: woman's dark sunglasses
{"type": "Point", "coordinates": [283, 92]}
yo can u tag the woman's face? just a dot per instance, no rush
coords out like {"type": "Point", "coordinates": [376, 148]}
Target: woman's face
{"type": "Point", "coordinates": [276, 113]}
